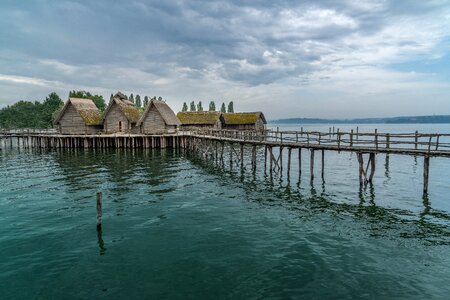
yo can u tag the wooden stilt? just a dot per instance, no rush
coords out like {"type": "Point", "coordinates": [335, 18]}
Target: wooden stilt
{"type": "Point", "coordinates": [300, 160]}
{"type": "Point", "coordinates": [311, 164]}
{"type": "Point", "coordinates": [265, 159]}
{"type": "Point", "coordinates": [242, 156]}
{"type": "Point", "coordinates": [426, 170]}
{"type": "Point", "coordinates": [323, 164]}
{"type": "Point", "coordinates": [289, 162]}
{"type": "Point", "coordinates": [372, 166]}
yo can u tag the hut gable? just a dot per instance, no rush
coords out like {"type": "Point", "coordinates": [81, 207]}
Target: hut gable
{"type": "Point", "coordinates": [79, 116]}
{"type": "Point", "coordinates": [158, 117]}
{"type": "Point", "coordinates": [121, 115]}
{"type": "Point", "coordinates": [200, 119]}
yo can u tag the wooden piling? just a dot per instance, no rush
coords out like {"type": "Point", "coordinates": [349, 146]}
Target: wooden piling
{"type": "Point", "coordinates": [426, 170]}
{"type": "Point", "coordinates": [323, 164]}
{"type": "Point", "coordinates": [289, 162]}
{"type": "Point", "coordinates": [242, 156]}
{"type": "Point", "coordinates": [372, 166]}
{"type": "Point", "coordinates": [361, 168]}
{"type": "Point", "coordinates": [99, 210]}
{"type": "Point", "coordinates": [299, 161]}
{"type": "Point", "coordinates": [311, 164]}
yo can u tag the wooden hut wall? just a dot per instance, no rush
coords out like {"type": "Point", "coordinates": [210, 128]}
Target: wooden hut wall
{"type": "Point", "coordinates": [154, 123]}
{"type": "Point", "coordinates": [72, 123]}
{"type": "Point", "coordinates": [112, 119]}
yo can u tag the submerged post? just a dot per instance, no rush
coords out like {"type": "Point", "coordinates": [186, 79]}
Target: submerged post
{"type": "Point", "coordinates": [426, 169]}
{"type": "Point", "coordinates": [99, 210]}
{"type": "Point", "coordinates": [323, 164]}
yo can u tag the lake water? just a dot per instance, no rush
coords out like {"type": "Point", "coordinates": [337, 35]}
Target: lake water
{"type": "Point", "coordinates": [175, 226]}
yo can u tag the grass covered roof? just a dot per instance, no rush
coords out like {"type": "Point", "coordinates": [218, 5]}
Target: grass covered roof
{"type": "Point", "coordinates": [243, 118]}
{"type": "Point", "coordinates": [199, 117]}
{"type": "Point", "coordinates": [86, 108]}
{"type": "Point", "coordinates": [130, 111]}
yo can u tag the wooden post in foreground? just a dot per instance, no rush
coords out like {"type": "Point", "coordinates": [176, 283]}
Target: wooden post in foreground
{"type": "Point", "coordinates": [311, 164]}
{"type": "Point", "coordinates": [99, 210]}
{"type": "Point", "coordinates": [323, 164]}
{"type": "Point", "coordinates": [426, 169]}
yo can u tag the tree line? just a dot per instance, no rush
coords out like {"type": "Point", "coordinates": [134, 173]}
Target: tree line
{"type": "Point", "coordinates": [212, 107]}
{"type": "Point", "coordinates": [138, 101]}
{"type": "Point", "coordinates": [37, 114]}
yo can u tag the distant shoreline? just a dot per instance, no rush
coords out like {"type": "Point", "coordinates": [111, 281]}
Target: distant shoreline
{"type": "Point", "coordinates": [443, 119]}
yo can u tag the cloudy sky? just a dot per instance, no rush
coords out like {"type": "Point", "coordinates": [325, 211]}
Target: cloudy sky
{"type": "Point", "coordinates": [321, 58]}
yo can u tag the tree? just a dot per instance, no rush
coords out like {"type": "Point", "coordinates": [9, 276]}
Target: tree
{"type": "Point", "coordinates": [223, 109]}
{"type": "Point", "coordinates": [131, 98]}
{"type": "Point", "coordinates": [212, 106]}
{"type": "Point", "coordinates": [138, 101]}
{"type": "Point", "coordinates": [145, 101]}
{"type": "Point", "coordinates": [192, 105]}
{"type": "Point", "coordinates": [160, 98]}
{"type": "Point", "coordinates": [99, 102]}
{"type": "Point", "coordinates": [230, 107]}
{"type": "Point", "coordinates": [199, 106]}
{"type": "Point", "coordinates": [111, 97]}
{"type": "Point", "coordinates": [26, 114]}
{"type": "Point", "coordinates": [185, 107]}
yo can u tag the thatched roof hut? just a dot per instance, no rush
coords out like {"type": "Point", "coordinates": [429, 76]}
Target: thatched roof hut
{"type": "Point", "coordinates": [158, 117]}
{"type": "Point", "coordinates": [244, 121]}
{"type": "Point", "coordinates": [79, 116]}
{"type": "Point", "coordinates": [200, 119]}
{"type": "Point", "coordinates": [121, 115]}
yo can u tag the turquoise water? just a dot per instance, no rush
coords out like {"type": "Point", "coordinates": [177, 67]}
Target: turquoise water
{"type": "Point", "coordinates": [175, 226]}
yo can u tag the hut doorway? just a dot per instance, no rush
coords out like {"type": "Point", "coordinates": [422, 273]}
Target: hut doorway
{"type": "Point", "coordinates": [120, 126]}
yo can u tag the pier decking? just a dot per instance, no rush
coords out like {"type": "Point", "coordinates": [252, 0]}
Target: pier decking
{"type": "Point", "coordinates": [212, 143]}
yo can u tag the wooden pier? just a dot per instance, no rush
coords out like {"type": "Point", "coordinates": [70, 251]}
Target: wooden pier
{"type": "Point", "coordinates": [218, 144]}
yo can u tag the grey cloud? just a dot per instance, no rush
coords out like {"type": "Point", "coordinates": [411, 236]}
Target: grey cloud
{"type": "Point", "coordinates": [193, 40]}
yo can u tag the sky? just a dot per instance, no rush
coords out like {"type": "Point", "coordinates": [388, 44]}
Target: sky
{"type": "Point", "coordinates": [317, 58]}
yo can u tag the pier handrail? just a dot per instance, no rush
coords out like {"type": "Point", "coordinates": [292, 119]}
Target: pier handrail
{"type": "Point", "coordinates": [430, 142]}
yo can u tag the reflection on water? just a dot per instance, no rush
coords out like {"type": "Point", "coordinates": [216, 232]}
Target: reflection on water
{"type": "Point", "coordinates": [176, 225]}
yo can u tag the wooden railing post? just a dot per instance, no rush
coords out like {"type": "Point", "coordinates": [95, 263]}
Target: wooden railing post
{"type": "Point", "coordinates": [351, 138]}
{"type": "Point", "coordinates": [376, 138]}
{"type": "Point", "coordinates": [416, 139]}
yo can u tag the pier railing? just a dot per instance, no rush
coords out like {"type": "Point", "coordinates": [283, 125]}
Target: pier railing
{"type": "Point", "coordinates": [27, 131]}
{"type": "Point", "coordinates": [373, 141]}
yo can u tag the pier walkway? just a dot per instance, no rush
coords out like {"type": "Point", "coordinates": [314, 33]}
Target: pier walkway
{"type": "Point", "coordinates": [214, 143]}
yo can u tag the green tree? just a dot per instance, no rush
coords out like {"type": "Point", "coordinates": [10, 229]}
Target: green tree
{"type": "Point", "coordinates": [230, 107]}
{"type": "Point", "coordinates": [199, 106]}
{"type": "Point", "coordinates": [99, 102]}
{"type": "Point", "coordinates": [26, 114]}
{"type": "Point", "coordinates": [138, 101]}
{"type": "Point", "coordinates": [212, 106]}
{"type": "Point", "coordinates": [193, 106]}
{"type": "Point", "coordinates": [131, 98]}
{"type": "Point", "coordinates": [185, 107]}
{"type": "Point", "coordinates": [145, 101]}
{"type": "Point", "coordinates": [223, 109]}
{"type": "Point", "coordinates": [111, 97]}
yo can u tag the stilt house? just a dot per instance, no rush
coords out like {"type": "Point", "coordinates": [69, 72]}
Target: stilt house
{"type": "Point", "coordinates": [193, 120]}
{"type": "Point", "coordinates": [244, 121]}
{"type": "Point", "coordinates": [79, 116]}
{"type": "Point", "coordinates": [158, 117]}
{"type": "Point", "coordinates": [121, 115]}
